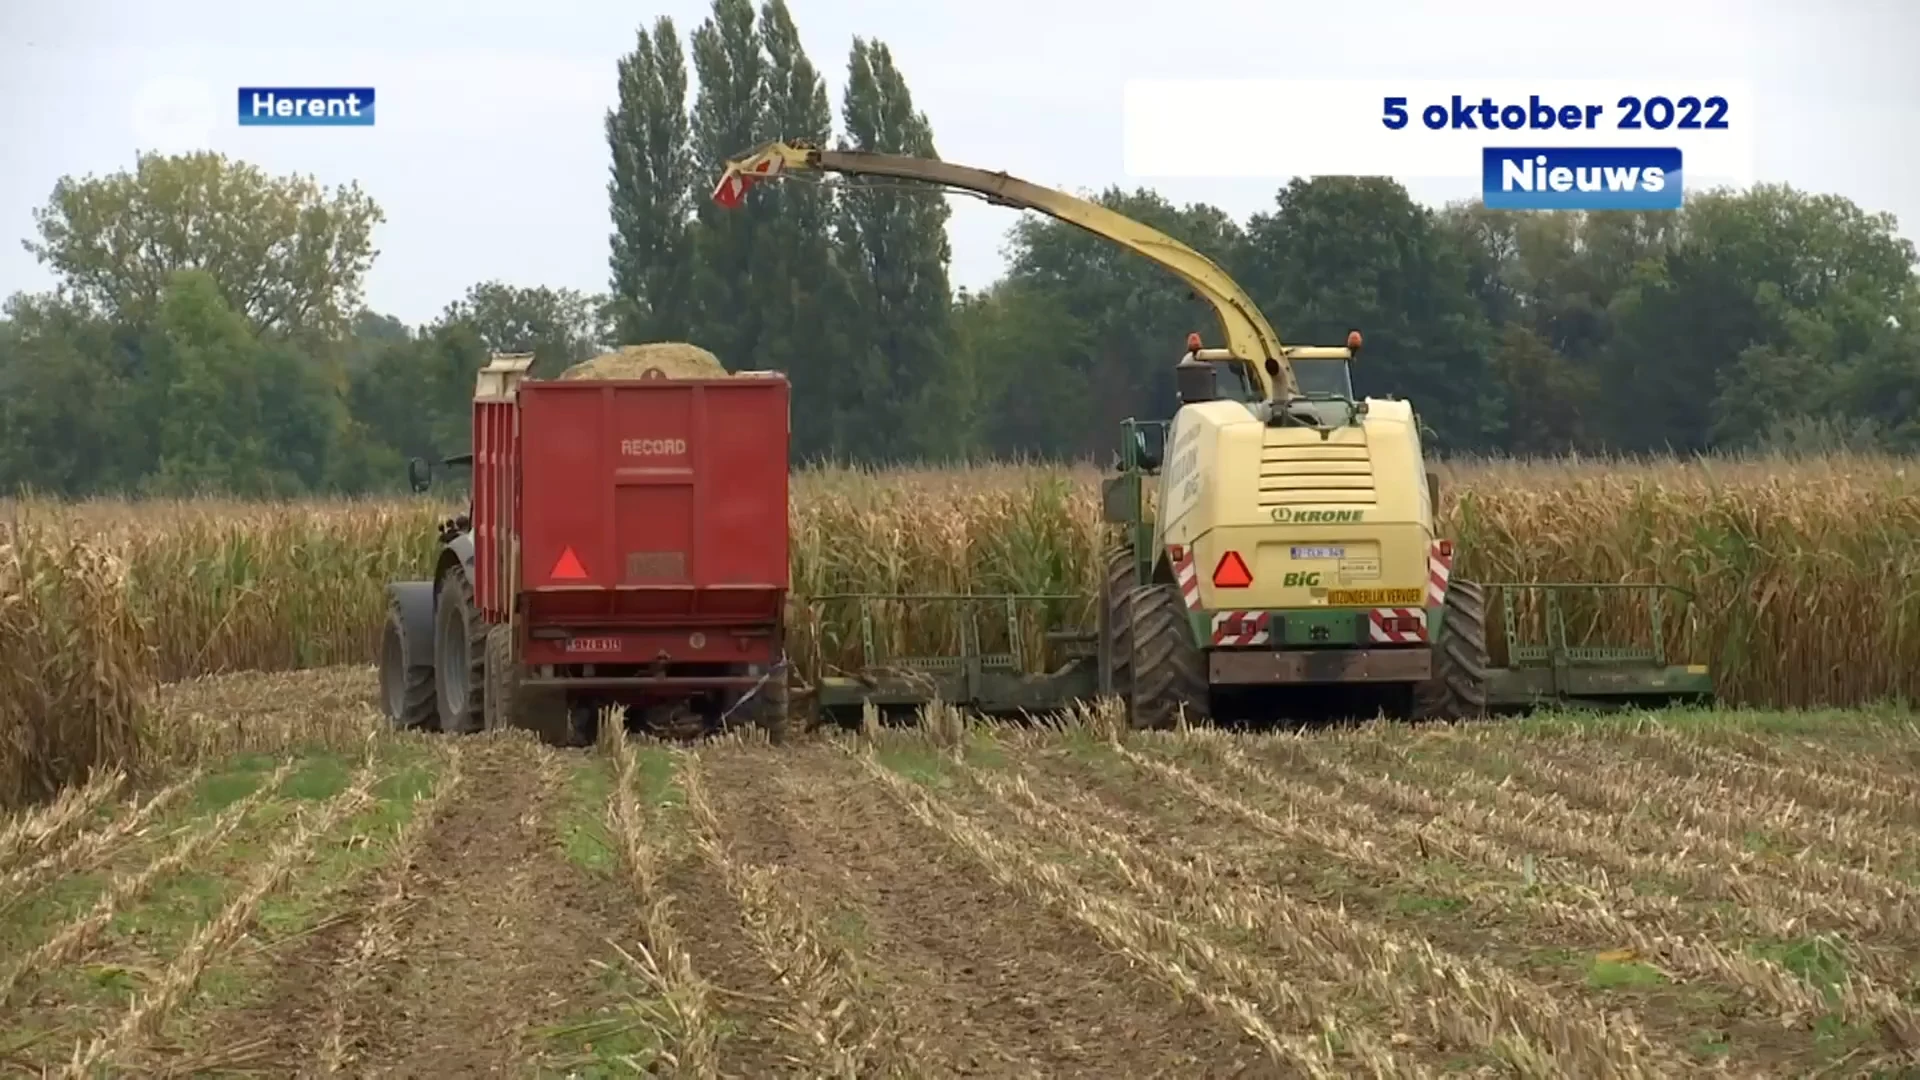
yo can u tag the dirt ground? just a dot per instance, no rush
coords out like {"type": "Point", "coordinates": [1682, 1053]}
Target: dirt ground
{"type": "Point", "coordinates": [1705, 893]}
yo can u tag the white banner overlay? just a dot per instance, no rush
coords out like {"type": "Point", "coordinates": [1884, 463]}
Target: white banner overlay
{"type": "Point", "coordinates": [1271, 128]}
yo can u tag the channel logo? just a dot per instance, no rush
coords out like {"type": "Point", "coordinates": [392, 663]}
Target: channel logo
{"type": "Point", "coordinates": [305, 106]}
{"type": "Point", "coordinates": [1581, 178]}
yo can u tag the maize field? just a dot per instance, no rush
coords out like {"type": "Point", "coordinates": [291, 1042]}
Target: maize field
{"type": "Point", "coordinates": [219, 860]}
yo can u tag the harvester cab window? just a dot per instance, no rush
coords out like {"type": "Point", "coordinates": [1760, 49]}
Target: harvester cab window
{"type": "Point", "coordinates": [1232, 382]}
{"type": "Point", "coordinates": [1324, 378]}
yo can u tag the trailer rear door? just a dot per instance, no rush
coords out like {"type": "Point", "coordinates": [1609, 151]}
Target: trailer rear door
{"type": "Point", "coordinates": [655, 500]}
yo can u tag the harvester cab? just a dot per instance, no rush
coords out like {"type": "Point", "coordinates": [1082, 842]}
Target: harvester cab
{"type": "Point", "coordinates": [1278, 535]}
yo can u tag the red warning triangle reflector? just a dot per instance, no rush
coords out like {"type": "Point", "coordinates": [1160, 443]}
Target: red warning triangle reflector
{"type": "Point", "coordinates": [567, 567]}
{"type": "Point", "coordinates": [1232, 572]}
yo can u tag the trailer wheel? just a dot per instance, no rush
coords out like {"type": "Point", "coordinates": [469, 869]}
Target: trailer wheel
{"type": "Point", "coordinates": [460, 656]}
{"type": "Point", "coordinates": [1169, 668]}
{"type": "Point", "coordinates": [508, 704]}
{"type": "Point", "coordinates": [1458, 688]}
{"type": "Point", "coordinates": [1115, 641]}
{"type": "Point", "coordinates": [406, 685]}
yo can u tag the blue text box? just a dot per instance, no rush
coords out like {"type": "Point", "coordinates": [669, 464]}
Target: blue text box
{"type": "Point", "coordinates": [1580, 178]}
{"type": "Point", "coordinates": [306, 106]}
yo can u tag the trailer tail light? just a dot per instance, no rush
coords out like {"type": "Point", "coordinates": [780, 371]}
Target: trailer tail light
{"type": "Point", "coordinates": [1232, 572]}
{"type": "Point", "coordinates": [1400, 624]}
{"type": "Point", "coordinates": [1445, 547]}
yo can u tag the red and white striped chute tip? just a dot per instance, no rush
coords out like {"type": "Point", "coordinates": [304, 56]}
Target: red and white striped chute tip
{"type": "Point", "coordinates": [735, 181]}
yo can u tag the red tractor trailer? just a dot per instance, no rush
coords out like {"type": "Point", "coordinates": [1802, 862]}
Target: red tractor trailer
{"type": "Point", "coordinates": [625, 546]}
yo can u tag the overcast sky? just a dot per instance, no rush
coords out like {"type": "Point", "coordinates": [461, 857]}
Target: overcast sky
{"type": "Point", "coordinates": [490, 159]}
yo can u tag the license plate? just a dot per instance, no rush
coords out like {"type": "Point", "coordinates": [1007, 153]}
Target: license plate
{"type": "Point", "coordinates": [1319, 553]}
{"type": "Point", "coordinates": [1375, 597]}
{"type": "Point", "coordinates": [593, 644]}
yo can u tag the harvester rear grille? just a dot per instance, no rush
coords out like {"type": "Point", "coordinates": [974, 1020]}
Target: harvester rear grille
{"type": "Point", "coordinates": [1316, 475]}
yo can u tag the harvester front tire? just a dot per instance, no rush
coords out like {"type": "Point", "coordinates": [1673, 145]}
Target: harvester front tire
{"type": "Point", "coordinates": [460, 656]}
{"type": "Point", "coordinates": [508, 704]}
{"type": "Point", "coordinates": [1458, 688]}
{"type": "Point", "coordinates": [1116, 641]}
{"type": "Point", "coordinates": [1169, 670]}
{"type": "Point", "coordinates": [406, 684]}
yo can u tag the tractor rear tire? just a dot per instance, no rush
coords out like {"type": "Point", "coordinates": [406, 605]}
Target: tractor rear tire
{"type": "Point", "coordinates": [1169, 670]}
{"type": "Point", "coordinates": [508, 704]}
{"type": "Point", "coordinates": [1115, 638]}
{"type": "Point", "coordinates": [1457, 689]}
{"type": "Point", "coordinates": [406, 684]}
{"type": "Point", "coordinates": [460, 656]}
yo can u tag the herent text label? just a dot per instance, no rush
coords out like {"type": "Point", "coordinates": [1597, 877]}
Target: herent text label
{"type": "Point", "coordinates": [295, 106]}
{"type": "Point", "coordinates": [1581, 178]}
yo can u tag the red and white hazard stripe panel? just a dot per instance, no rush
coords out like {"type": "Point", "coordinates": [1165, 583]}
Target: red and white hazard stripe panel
{"type": "Point", "coordinates": [1240, 628]}
{"type": "Point", "coordinates": [1186, 575]}
{"type": "Point", "coordinates": [1397, 625]}
{"type": "Point", "coordinates": [1439, 572]}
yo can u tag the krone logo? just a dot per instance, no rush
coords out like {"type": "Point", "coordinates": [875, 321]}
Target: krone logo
{"type": "Point", "coordinates": [1303, 517]}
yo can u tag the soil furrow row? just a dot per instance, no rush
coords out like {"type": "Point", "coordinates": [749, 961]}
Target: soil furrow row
{"type": "Point", "coordinates": [684, 1013]}
{"type": "Point", "coordinates": [1794, 1001]}
{"type": "Point", "coordinates": [1703, 860]}
{"type": "Point", "coordinates": [1198, 892]}
{"type": "Point", "coordinates": [145, 1015]}
{"type": "Point", "coordinates": [1733, 808]}
{"type": "Point", "coordinates": [89, 849]}
{"type": "Point", "coordinates": [1551, 826]}
{"type": "Point", "coordinates": [1865, 792]}
{"type": "Point", "coordinates": [379, 938]}
{"type": "Point", "coordinates": [1173, 953]}
{"type": "Point", "coordinates": [1464, 998]}
{"type": "Point", "coordinates": [843, 1034]}
{"type": "Point", "coordinates": [977, 979]}
{"type": "Point", "coordinates": [73, 939]}
{"type": "Point", "coordinates": [39, 830]}
{"type": "Point", "coordinates": [1869, 900]}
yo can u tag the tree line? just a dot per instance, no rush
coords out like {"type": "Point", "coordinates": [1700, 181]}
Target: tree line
{"type": "Point", "coordinates": [207, 330]}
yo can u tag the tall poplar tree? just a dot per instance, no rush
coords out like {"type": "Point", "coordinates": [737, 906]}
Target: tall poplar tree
{"type": "Point", "coordinates": [795, 283]}
{"type": "Point", "coordinates": [651, 190]}
{"type": "Point", "coordinates": [729, 117]}
{"type": "Point", "coordinates": [893, 246]}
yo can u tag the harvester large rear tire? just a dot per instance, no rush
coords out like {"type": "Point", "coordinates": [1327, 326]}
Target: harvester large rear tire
{"type": "Point", "coordinates": [508, 704]}
{"type": "Point", "coordinates": [1116, 641]}
{"type": "Point", "coordinates": [1458, 688]}
{"type": "Point", "coordinates": [406, 684]}
{"type": "Point", "coordinates": [1169, 668]}
{"type": "Point", "coordinates": [460, 656]}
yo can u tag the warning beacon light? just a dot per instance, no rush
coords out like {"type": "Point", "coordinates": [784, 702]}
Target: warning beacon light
{"type": "Point", "coordinates": [1193, 343]}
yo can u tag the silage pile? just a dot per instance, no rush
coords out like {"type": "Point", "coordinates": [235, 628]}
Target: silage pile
{"type": "Point", "coordinates": [660, 359]}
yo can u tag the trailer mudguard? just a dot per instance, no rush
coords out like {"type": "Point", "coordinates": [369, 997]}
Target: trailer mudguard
{"type": "Point", "coordinates": [415, 601]}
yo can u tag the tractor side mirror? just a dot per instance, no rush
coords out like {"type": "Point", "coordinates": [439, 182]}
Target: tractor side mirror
{"type": "Point", "coordinates": [1196, 381]}
{"type": "Point", "coordinates": [419, 477]}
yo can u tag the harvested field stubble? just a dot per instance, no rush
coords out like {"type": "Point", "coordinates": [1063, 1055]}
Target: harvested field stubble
{"type": "Point", "coordinates": [1789, 563]}
{"type": "Point", "coordinates": [1557, 896]}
